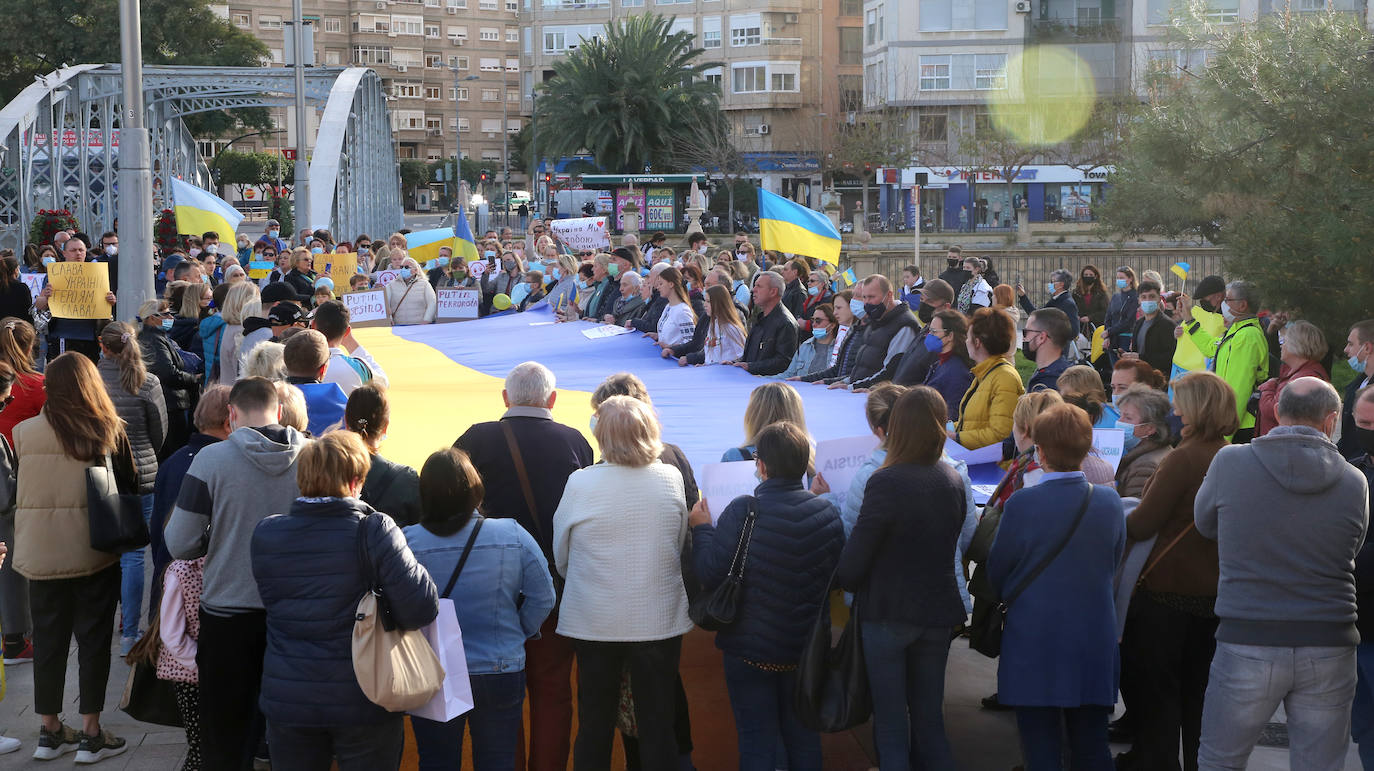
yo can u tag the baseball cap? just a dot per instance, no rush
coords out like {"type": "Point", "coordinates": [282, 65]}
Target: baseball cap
{"type": "Point", "coordinates": [279, 291]}
{"type": "Point", "coordinates": [284, 314]}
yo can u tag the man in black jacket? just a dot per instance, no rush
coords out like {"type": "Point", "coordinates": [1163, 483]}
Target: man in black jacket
{"type": "Point", "coordinates": [1060, 297]}
{"type": "Point", "coordinates": [548, 452]}
{"type": "Point", "coordinates": [1359, 351]}
{"type": "Point", "coordinates": [773, 339]}
{"type": "Point", "coordinates": [1152, 337]}
{"type": "Point", "coordinates": [795, 275]}
{"type": "Point", "coordinates": [954, 273]}
{"type": "Point", "coordinates": [647, 320]}
{"type": "Point", "coordinates": [936, 296]}
{"type": "Point", "coordinates": [892, 328]}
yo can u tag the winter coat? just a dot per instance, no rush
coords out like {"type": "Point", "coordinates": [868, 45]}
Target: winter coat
{"type": "Point", "coordinates": [160, 356]}
{"type": "Point", "coordinates": [985, 411]}
{"type": "Point", "coordinates": [145, 420]}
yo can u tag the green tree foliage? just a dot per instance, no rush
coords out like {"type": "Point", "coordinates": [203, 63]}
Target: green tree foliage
{"type": "Point", "coordinates": [1268, 152]}
{"type": "Point", "coordinates": [622, 97]}
{"type": "Point", "coordinates": [39, 37]}
{"type": "Point", "coordinates": [414, 173]}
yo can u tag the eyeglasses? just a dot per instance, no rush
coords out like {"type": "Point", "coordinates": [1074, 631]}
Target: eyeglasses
{"type": "Point", "coordinates": [1029, 331]}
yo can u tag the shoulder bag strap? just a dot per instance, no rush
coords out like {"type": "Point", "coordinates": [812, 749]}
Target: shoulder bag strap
{"type": "Point", "coordinates": [1034, 574]}
{"type": "Point", "coordinates": [746, 534]}
{"type": "Point", "coordinates": [401, 301]}
{"type": "Point", "coordinates": [453, 579]}
{"type": "Point", "coordinates": [1141, 580]}
{"type": "Point", "coordinates": [520, 471]}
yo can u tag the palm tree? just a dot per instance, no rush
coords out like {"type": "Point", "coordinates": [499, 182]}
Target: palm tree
{"type": "Point", "coordinates": [624, 98]}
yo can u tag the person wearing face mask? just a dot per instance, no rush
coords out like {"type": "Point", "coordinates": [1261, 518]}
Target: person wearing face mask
{"type": "Point", "coordinates": [628, 303]}
{"type": "Point", "coordinates": [1152, 337]}
{"type": "Point", "coordinates": [911, 287]}
{"type": "Point", "coordinates": [1359, 353]}
{"type": "Point", "coordinates": [817, 293]}
{"type": "Point", "coordinates": [892, 328]}
{"type": "Point", "coordinates": [985, 411]}
{"type": "Point", "coordinates": [534, 281]}
{"type": "Point", "coordinates": [180, 386]}
{"type": "Point", "coordinates": [562, 292]}
{"type": "Point", "coordinates": [1362, 709]}
{"type": "Point", "coordinates": [1144, 418]}
{"type": "Point", "coordinates": [976, 292]}
{"type": "Point", "coordinates": [1043, 341]}
{"type": "Point", "coordinates": [1207, 313]}
{"type": "Point", "coordinates": [302, 274]}
{"type": "Point", "coordinates": [954, 273]}
{"type": "Point", "coordinates": [936, 296]}
{"type": "Point", "coordinates": [271, 236]}
{"type": "Point", "coordinates": [1288, 517]}
{"type": "Point", "coordinates": [1090, 296]}
{"type": "Point", "coordinates": [1241, 355]}
{"type": "Point", "coordinates": [1122, 309]}
{"type": "Point", "coordinates": [950, 372]}
{"type": "Point", "coordinates": [625, 259]}
{"type": "Point", "coordinates": [815, 353]}
{"type": "Point", "coordinates": [602, 296]}
{"type": "Point", "coordinates": [1058, 290]}
{"type": "Point", "coordinates": [410, 299]}
{"type": "Point", "coordinates": [1302, 346]}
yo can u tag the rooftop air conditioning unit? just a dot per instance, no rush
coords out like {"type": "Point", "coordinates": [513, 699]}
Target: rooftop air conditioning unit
{"type": "Point", "coordinates": [1023, 6]}
{"type": "Point", "coordinates": [764, 128]}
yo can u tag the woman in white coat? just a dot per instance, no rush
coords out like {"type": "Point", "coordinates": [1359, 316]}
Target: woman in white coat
{"type": "Point", "coordinates": [411, 300]}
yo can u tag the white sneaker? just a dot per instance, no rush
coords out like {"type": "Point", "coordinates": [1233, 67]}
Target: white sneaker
{"type": "Point", "coordinates": [8, 745]}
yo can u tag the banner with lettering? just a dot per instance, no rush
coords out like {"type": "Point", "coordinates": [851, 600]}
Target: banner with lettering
{"type": "Point", "coordinates": [583, 233]}
{"type": "Point", "coordinates": [458, 304]}
{"type": "Point", "coordinates": [367, 308]}
{"type": "Point", "coordinates": [79, 289]}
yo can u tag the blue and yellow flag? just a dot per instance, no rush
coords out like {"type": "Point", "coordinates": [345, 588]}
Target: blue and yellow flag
{"type": "Point", "coordinates": [467, 245]}
{"type": "Point", "coordinates": [848, 277]}
{"type": "Point", "coordinates": [424, 245]}
{"type": "Point", "coordinates": [199, 211]}
{"type": "Point", "coordinates": [792, 228]}
{"type": "Point", "coordinates": [1181, 269]}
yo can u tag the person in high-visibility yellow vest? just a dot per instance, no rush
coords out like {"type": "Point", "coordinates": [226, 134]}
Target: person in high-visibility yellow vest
{"type": "Point", "coordinates": [1207, 313]}
{"type": "Point", "coordinates": [1240, 355]}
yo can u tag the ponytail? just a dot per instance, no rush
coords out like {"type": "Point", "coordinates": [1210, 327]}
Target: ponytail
{"type": "Point", "coordinates": [17, 339]}
{"type": "Point", "coordinates": [119, 339]}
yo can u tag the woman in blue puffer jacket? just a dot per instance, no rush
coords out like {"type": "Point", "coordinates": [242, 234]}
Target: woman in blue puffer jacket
{"type": "Point", "coordinates": [311, 573]}
{"type": "Point", "coordinates": [793, 549]}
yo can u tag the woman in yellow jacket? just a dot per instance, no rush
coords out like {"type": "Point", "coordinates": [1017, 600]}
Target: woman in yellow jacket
{"type": "Point", "coordinates": [986, 409]}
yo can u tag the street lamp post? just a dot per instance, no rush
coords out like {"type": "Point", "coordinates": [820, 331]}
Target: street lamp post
{"type": "Point", "coordinates": [135, 207]}
{"type": "Point", "coordinates": [505, 150]}
{"type": "Point", "coordinates": [457, 133]}
{"type": "Point", "coordinates": [302, 183]}
{"type": "Point", "coordinates": [534, 147]}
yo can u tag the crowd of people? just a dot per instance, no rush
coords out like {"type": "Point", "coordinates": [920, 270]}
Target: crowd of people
{"type": "Point", "coordinates": [1215, 573]}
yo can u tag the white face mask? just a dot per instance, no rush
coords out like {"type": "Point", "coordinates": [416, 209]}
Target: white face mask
{"type": "Point", "coordinates": [1226, 312]}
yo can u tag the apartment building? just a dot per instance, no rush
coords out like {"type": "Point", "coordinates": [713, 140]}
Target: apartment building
{"type": "Point", "coordinates": [778, 64]}
{"type": "Point", "coordinates": [450, 68]}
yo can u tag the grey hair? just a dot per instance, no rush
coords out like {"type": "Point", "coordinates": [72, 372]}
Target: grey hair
{"type": "Point", "coordinates": [1063, 277]}
{"type": "Point", "coordinates": [633, 278]}
{"type": "Point", "coordinates": [629, 239]}
{"type": "Point", "coordinates": [1305, 339]}
{"type": "Point", "coordinates": [530, 384]}
{"type": "Point", "coordinates": [658, 268]}
{"type": "Point", "coordinates": [1153, 406]}
{"type": "Point", "coordinates": [1244, 290]}
{"type": "Point", "coordinates": [773, 278]}
{"type": "Point", "coordinates": [1307, 401]}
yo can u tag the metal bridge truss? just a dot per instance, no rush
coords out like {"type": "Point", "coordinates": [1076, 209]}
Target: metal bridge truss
{"type": "Point", "coordinates": [355, 185]}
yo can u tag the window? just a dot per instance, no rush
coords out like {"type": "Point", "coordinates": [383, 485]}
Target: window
{"type": "Point", "coordinates": [243, 20]}
{"type": "Point", "coordinates": [491, 155]}
{"type": "Point", "coordinates": [783, 81]}
{"type": "Point", "coordinates": [851, 93]}
{"type": "Point", "coordinates": [457, 33]}
{"type": "Point", "coordinates": [512, 65]}
{"type": "Point", "coordinates": [871, 34]}
{"type": "Point", "coordinates": [489, 65]}
{"type": "Point", "coordinates": [747, 80]}
{"type": "Point", "coordinates": [851, 7]}
{"type": "Point", "coordinates": [458, 62]}
{"type": "Point", "coordinates": [462, 94]}
{"type": "Point", "coordinates": [513, 6]}
{"type": "Point", "coordinates": [932, 127]}
{"type": "Point", "coordinates": [745, 29]}
{"type": "Point", "coordinates": [456, 3]}
{"type": "Point", "coordinates": [491, 94]}
{"type": "Point", "coordinates": [407, 57]}
{"type": "Point", "coordinates": [680, 24]}
{"type": "Point", "coordinates": [408, 119]}
{"type": "Point", "coordinates": [464, 125]}
{"type": "Point", "coordinates": [710, 32]}
{"type": "Point", "coordinates": [405, 90]}
{"type": "Point", "coordinates": [490, 34]}
{"type": "Point", "coordinates": [366, 22]}
{"type": "Point", "coordinates": [982, 122]}
{"type": "Point", "coordinates": [274, 55]}
{"type": "Point", "coordinates": [432, 92]}
{"type": "Point", "coordinates": [434, 61]}
{"type": "Point", "coordinates": [487, 5]}
{"type": "Point", "coordinates": [432, 31]}
{"type": "Point", "coordinates": [434, 124]}
{"type": "Point", "coordinates": [947, 15]}
{"type": "Point", "coordinates": [512, 35]}
{"type": "Point", "coordinates": [631, 3]}
{"type": "Point", "coordinates": [513, 97]}
{"type": "Point", "coordinates": [408, 25]}
{"type": "Point", "coordinates": [1220, 11]}
{"type": "Point", "coordinates": [332, 58]}
{"type": "Point", "coordinates": [433, 157]}
{"type": "Point", "coordinates": [851, 45]}
{"type": "Point", "coordinates": [333, 24]}
{"type": "Point", "coordinates": [713, 76]}
{"type": "Point", "coordinates": [491, 126]}
{"type": "Point", "coordinates": [513, 126]}
{"type": "Point", "coordinates": [266, 21]}
{"type": "Point", "coordinates": [934, 73]}
{"type": "Point", "coordinates": [964, 72]}
{"type": "Point", "coordinates": [372, 54]}
{"type": "Point", "coordinates": [990, 72]}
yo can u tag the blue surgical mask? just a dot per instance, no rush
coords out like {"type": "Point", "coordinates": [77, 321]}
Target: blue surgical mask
{"type": "Point", "coordinates": [1149, 306]}
{"type": "Point", "coordinates": [813, 290]}
{"type": "Point", "coordinates": [643, 271]}
{"type": "Point", "coordinates": [593, 424]}
{"type": "Point", "coordinates": [1122, 283]}
{"type": "Point", "coordinates": [1049, 287]}
{"type": "Point", "coordinates": [273, 233]}
{"type": "Point", "coordinates": [1131, 440]}
{"type": "Point", "coordinates": [204, 278]}
{"type": "Point", "coordinates": [818, 333]}
{"type": "Point", "coordinates": [856, 307]}
{"type": "Point", "coordinates": [557, 274]}
{"type": "Point", "coordinates": [581, 284]}
{"type": "Point", "coordinates": [317, 250]}
{"type": "Point", "coordinates": [687, 285]}
{"type": "Point", "coordinates": [1357, 365]}
{"type": "Point", "coordinates": [488, 254]}
{"type": "Point", "coordinates": [167, 323]}
{"type": "Point", "coordinates": [49, 260]}
{"type": "Point", "coordinates": [933, 343]}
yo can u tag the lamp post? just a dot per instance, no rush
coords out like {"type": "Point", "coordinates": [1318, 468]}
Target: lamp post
{"type": "Point", "coordinates": [135, 207]}
{"type": "Point", "coordinates": [457, 133]}
{"type": "Point", "coordinates": [505, 149]}
{"type": "Point", "coordinates": [534, 147]}
{"type": "Point", "coordinates": [302, 183]}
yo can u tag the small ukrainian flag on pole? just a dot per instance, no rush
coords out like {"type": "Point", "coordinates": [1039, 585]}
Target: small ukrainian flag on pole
{"type": "Point", "coordinates": [1181, 269]}
{"type": "Point", "coordinates": [848, 277]}
{"type": "Point", "coordinates": [785, 226]}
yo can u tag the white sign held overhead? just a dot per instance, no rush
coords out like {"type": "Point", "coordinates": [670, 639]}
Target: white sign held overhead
{"type": "Point", "coordinates": [583, 232]}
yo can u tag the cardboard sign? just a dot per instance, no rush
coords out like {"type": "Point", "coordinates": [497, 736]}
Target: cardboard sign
{"type": "Point", "coordinates": [603, 330]}
{"type": "Point", "coordinates": [366, 308]}
{"type": "Point", "coordinates": [583, 233]}
{"type": "Point", "coordinates": [456, 304]}
{"type": "Point", "coordinates": [385, 277]}
{"type": "Point", "coordinates": [838, 460]}
{"type": "Point", "coordinates": [79, 289]}
{"type": "Point", "coordinates": [343, 268]}
{"type": "Point", "coordinates": [34, 281]}
{"type": "Point", "coordinates": [723, 482]}
{"type": "Point", "coordinates": [260, 268]}
{"type": "Point", "coordinates": [477, 268]}
{"type": "Point", "coordinates": [1108, 444]}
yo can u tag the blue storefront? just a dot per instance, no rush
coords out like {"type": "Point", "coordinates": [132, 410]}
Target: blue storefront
{"type": "Point", "coordinates": [956, 199]}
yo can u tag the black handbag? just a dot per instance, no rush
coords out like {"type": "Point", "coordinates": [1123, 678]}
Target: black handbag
{"type": "Point", "coordinates": [115, 518]}
{"type": "Point", "coordinates": [985, 632]}
{"type": "Point", "coordinates": [148, 699]}
{"type": "Point", "coordinates": [718, 609]}
{"type": "Point", "coordinates": [832, 682]}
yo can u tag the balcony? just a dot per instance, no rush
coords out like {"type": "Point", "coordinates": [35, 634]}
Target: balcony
{"type": "Point", "coordinates": [1076, 31]}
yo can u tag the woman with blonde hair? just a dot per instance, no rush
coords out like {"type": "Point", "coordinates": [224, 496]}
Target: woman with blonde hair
{"type": "Point", "coordinates": [241, 303]}
{"type": "Point", "coordinates": [563, 272]}
{"type": "Point", "coordinates": [624, 516]}
{"type": "Point", "coordinates": [266, 360]}
{"type": "Point", "coordinates": [293, 408]}
{"type": "Point", "coordinates": [769, 403]}
{"type": "Point", "coordinates": [602, 295]}
{"type": "Point", "coordinates": [1081, 386]}
{"type": "Point", "coordinates": [194, 307]}
{"type": "Point", "coordinates": [72, 587]}
{"type": "Point", "coordinates": [138, 400]}
{"type": "Point", "coordinates": [724, 333]}
{"type": "Point", "coordinates": [411, 300]}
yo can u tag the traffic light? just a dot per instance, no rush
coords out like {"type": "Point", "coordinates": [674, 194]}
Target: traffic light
{"type": "Point", "coordinates": [868, 168]}
{"type": "Point", "coordinates": [548, 178]}
{"type": "Point", "coordinates": [484, 176]}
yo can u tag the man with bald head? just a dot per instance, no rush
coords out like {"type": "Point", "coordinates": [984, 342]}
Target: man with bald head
{"type": "Point", "coordinates": [1289, 517]}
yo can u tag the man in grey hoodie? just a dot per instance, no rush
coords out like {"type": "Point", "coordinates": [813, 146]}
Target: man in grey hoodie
{"type": "Point", "coordinates": [1288, 515]}
{"type": "Point", "coordinates": [229, 488]}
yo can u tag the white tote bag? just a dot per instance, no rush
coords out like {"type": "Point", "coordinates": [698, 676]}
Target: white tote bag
{"type": "Point", "coordinates": [455, 697]}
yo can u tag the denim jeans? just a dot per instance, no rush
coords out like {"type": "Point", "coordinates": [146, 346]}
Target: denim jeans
{"type": "Point", "coordinates": [498, 706]}
{"type": "Point", "coordinates": [1362, 710]}
{"type": "Point", "coordinates": [1248, 682]}
{"type": "Point", "coordinates": [1043, 730]}
{"type": "Point", "coordinates": [763, 705]}
{"type": "Point", "coordinates": [906, 675]}
{"type": "Point", "coordinates": [131, 580]}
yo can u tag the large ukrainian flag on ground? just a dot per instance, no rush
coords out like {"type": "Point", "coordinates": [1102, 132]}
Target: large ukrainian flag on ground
{"type": "Point", "coordinates": [199, 211]}
{"type": "Point", "coordinates": [789, 227]}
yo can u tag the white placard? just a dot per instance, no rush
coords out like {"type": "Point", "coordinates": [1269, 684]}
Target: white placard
{"type": "Point", "coordinates": [583, 232]}
{"type": "Point", "coordinates": [990, 454]}
{"type": "Point", "coordinates": [366, 306]}
{"type": "Point", "coordinates": [1107, 445]}
{"type": "Point", "coordinates": [477, 268]}
{"type": "Point", "coordinates": [384, 277]}
{"type": "Point", "coordinates": [721, 483]}
{"type": "Point", "coordinates": [838, 460]}
{"type": "Point", "coordinates": [34, 281]}
{"type": "Point", "coordinates": [603, 330]}
{"type": "Point", "coordinates": [983, 493]}
{"type": "Point", "coordinates": [458, 303]}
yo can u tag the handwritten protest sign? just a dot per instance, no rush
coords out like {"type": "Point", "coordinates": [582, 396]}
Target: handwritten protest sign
{"type": "Point", "coordinates": [603, 330]}
{"type": "Point", "coordinates": [583, 232]}
{"type": "Point", "coordinates": [260, 268]}
{"type": "Point", "coordinates": [79, 289]}
{"type": "Point", "coordinates": [366, 308]}
{"type": "Point", "coordinates": [385, 277]}
{"type": "Point", "coordinates": [477, 268]}
{"type": "Point", "coordinates": [838, 460]}
{"type": "Point", "coordinates": [458, 304]}
{"type": "Point", "coordinates": [34, 281]}
{"type": "Point", "coordinates": [343, 268]}
{"type": "Point", "coordinates": [723, 482]}
{"type": "Point", "coordinates": [1108, 443]}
